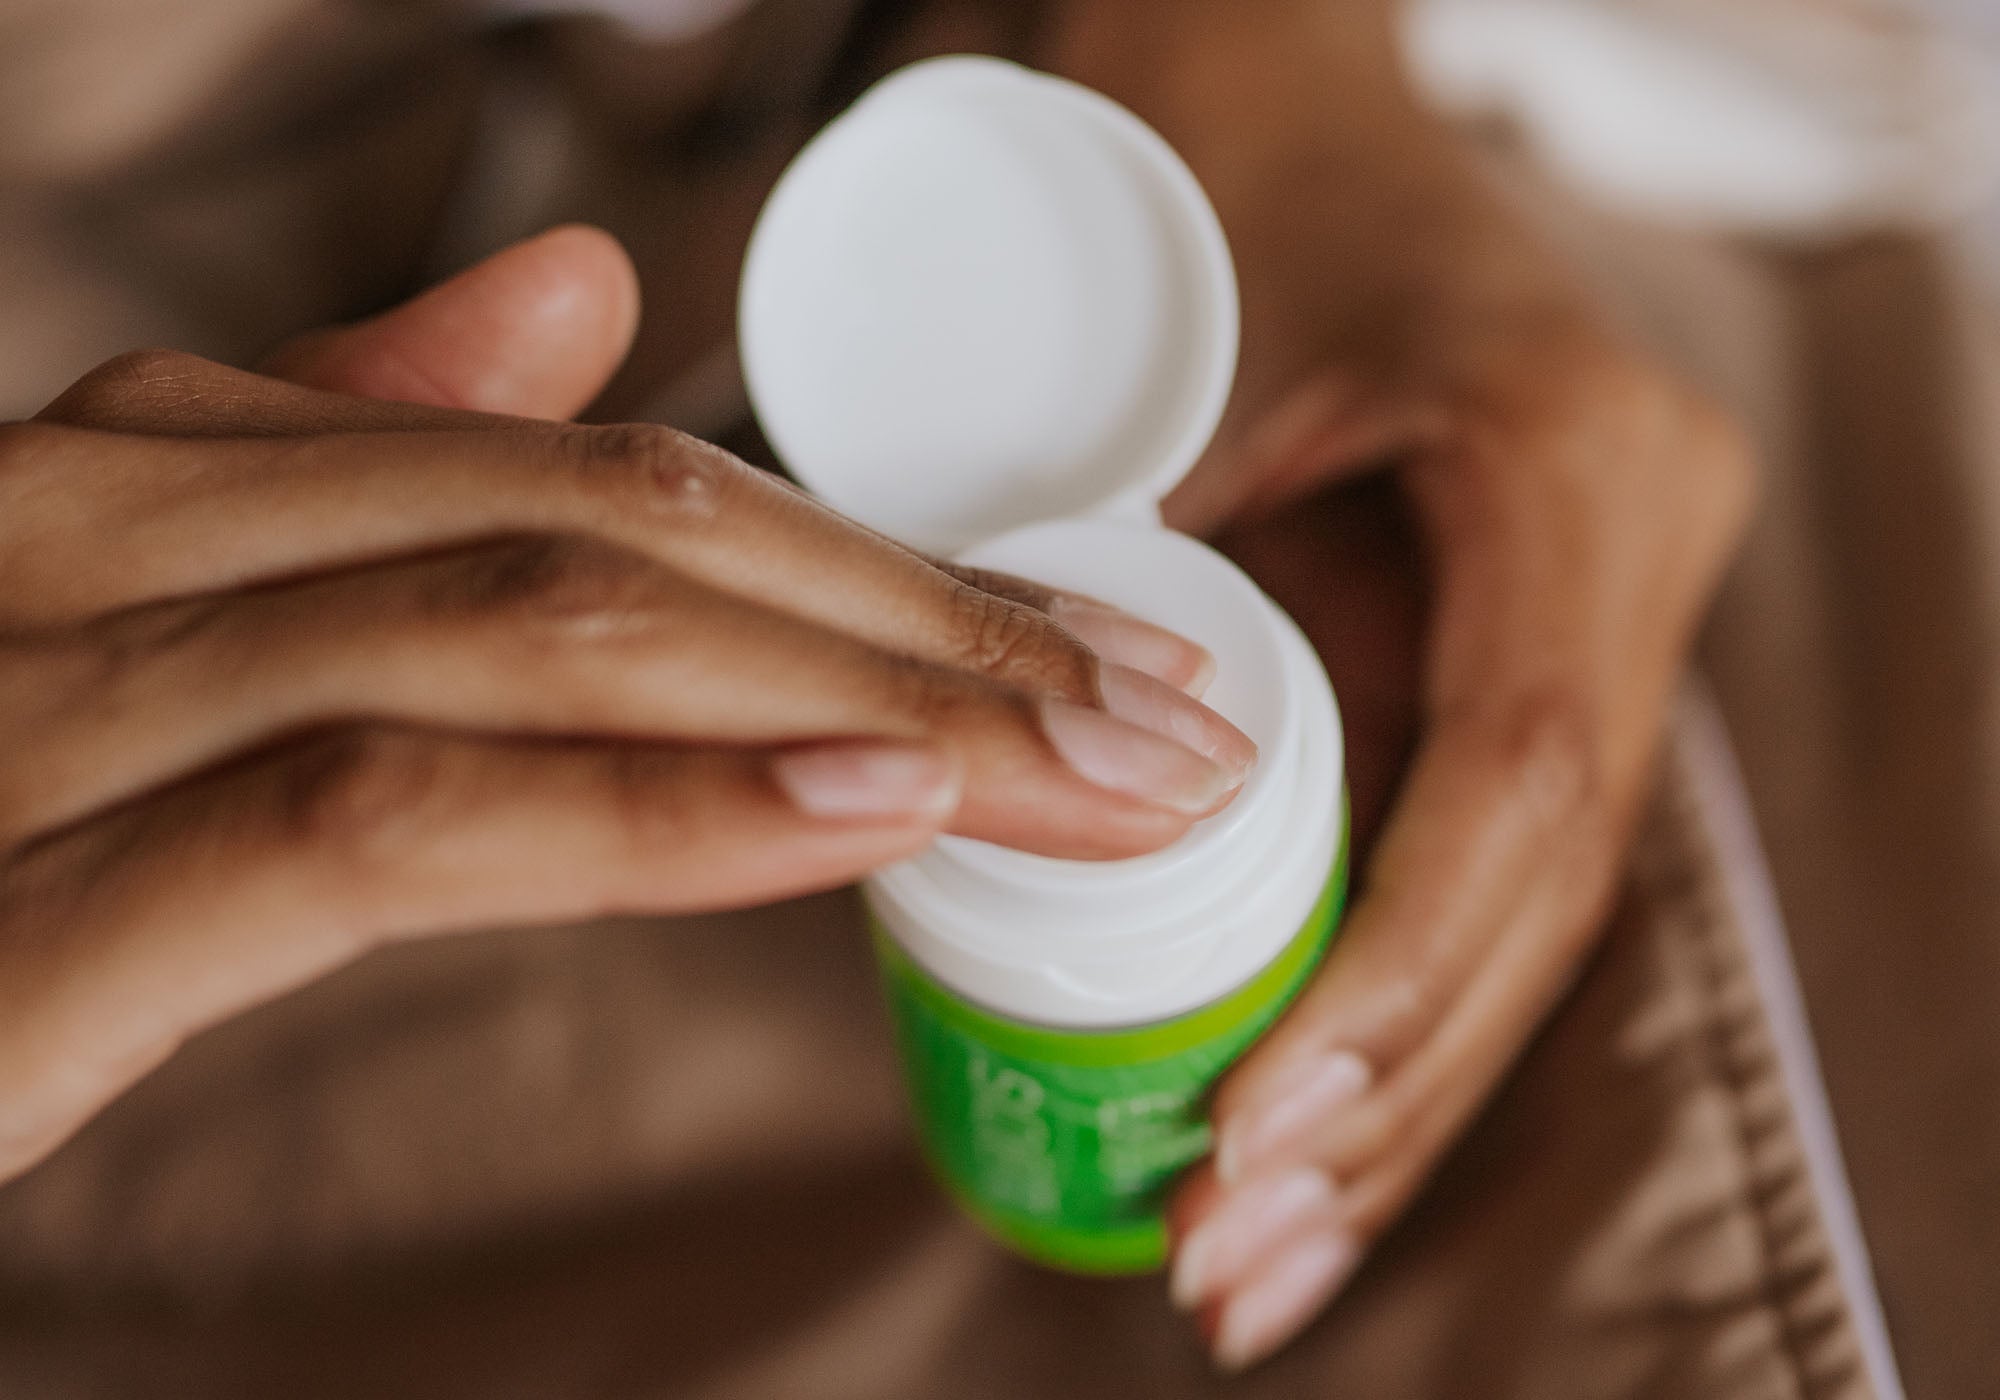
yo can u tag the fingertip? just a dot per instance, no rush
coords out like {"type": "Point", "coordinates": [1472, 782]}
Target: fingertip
{"type": "Point", "coordinates": [1270, 1309]}
{"type": "Point", "coordinates": [1248, 1226]}
{"type": "Point", "coordinates": [1151, 703]}
{"type": "Point", "coordinates": [590, 264]}
{"type": "Point", "coordinates": [536, 330]}
{"type": "Point", "coordinates": [1123, 638]}
{"type": "Point", "coordinates": [1135, 760]}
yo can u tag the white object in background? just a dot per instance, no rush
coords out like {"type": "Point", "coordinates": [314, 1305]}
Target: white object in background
{"type": "Point", "coordinates": [1791, 117]}
{"type": "Point", "coordinates": [991, 312]}
{"type": "Point", "coordinates": [649, 21]}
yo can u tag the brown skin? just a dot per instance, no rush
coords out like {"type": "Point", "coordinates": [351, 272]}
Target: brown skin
{"type": "Point", "coordinates": [1572, 507]}
{"type": "Point", "coordinates": [287, 673]}
{"type": "Point", "coordinates": [1500, 524]}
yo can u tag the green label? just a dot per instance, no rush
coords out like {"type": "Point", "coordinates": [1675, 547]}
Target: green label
{"type": "Point", "coordinates": [1064, 1144]}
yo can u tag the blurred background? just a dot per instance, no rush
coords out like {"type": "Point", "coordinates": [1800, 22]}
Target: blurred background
{"type": "Point", "coordinates": [1795, 202]}
{"type": "Point", "coordinates": [213, 174]}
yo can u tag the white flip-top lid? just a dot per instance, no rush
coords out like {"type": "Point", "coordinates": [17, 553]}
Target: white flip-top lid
{"type": "Point", "coordinates": [992, 314]}
{"type": "Point", "coordinates": [984, 298]}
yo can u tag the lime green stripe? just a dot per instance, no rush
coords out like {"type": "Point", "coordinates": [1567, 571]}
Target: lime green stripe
{"type": "Point", "coordinates": [1140, 1044]}
{"type": "Point", "coordinates": [1095, 1250]}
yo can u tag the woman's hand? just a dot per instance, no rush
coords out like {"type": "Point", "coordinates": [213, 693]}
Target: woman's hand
{"type": "Point", "coordinates": [285, 674]}
{"type": "Point", "coordinates": [1504, 614]}
{"type": "Point", "coordinates": [1573, 513]}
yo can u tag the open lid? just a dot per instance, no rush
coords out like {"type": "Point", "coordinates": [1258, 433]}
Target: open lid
{"type": "Point", "coordinates": [983, 298]}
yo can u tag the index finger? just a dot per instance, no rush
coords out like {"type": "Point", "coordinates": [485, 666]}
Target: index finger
{"type": "Point", "coordinates": [200, 516]}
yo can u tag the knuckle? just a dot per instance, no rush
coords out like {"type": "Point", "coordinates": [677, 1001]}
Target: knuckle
{"type": "Point", "coordinates": [649, 806]}
{"type": "Point", "coordinates": [118, 651]}
{"type": "Point", "coordinates": [146, 367]}
{"type": "Point", "coordinates": [1020, 646]}
{"type": "Point", "coordinates": [662, 473]}
{"type": "Point", "coordinates": [1589, 405]}
{"type": "Point", "coordinates": [1411, 999]}
{"type": "Point", "coordinates": [1002, 585]}
{"type": "Point", "coordinates": [138, 380]}
{"type": "Point", "coordinates": [1543, 743]}
{"type": "Point", "coordinates": [565, 587]}
{"type": "Point", "coordinates": [932, 698]}
{"type": "Point", "coordinates": [355, 801]}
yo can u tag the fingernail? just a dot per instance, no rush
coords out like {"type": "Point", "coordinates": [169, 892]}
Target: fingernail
{"type": "Point", "coordinates": [1271, 1310]}
{"type": "Point", "coordinates": [1107, 751]}
{"type": "Point", "coordinates": [1150, 703]}
{"type": "Point", "coordinates": [1289, 1107]}
{"type": "Point", "coordinates": [869, 780]}
{"type": "Point", "coordinates": [1117, 636]}
{"type": "Point", "coordinates": [1250, 1224]}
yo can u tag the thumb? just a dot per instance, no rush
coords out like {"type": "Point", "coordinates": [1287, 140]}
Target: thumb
{"type": "Point", "coordinates": [534, 331]}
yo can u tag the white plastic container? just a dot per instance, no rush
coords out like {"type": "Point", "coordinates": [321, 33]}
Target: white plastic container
{"type": "Point", "coordinates": [991, 313]}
